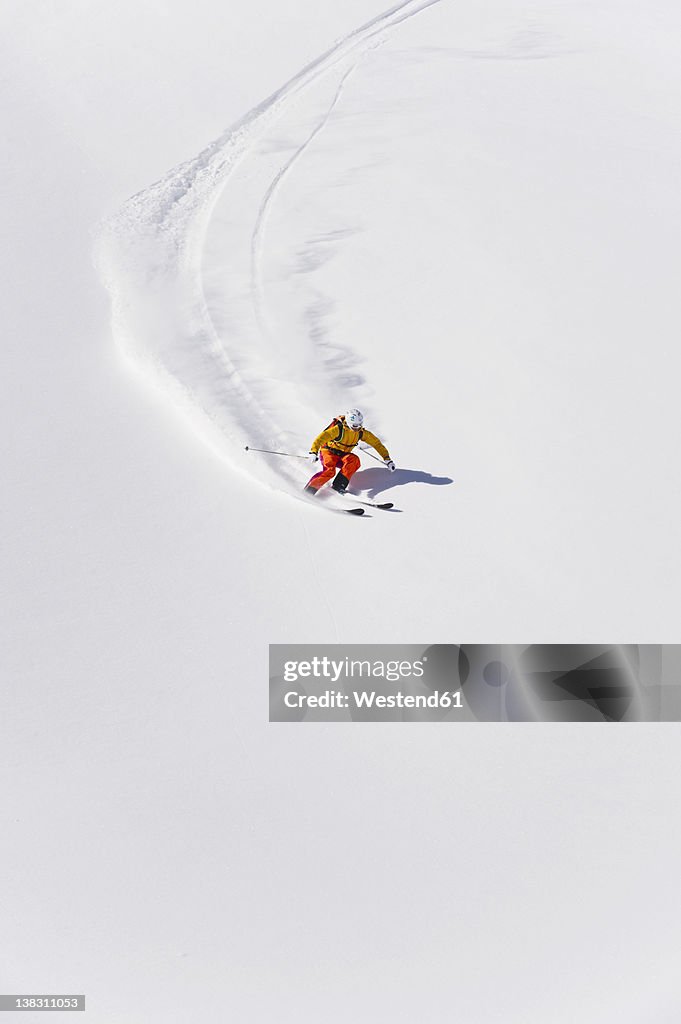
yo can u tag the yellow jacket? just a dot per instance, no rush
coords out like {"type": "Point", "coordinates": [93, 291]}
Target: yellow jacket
{"type": "Point", "coordinates": [338, 436]}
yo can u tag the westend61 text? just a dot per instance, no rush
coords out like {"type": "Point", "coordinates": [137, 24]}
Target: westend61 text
{"type": "Point", "coordinates": [371, 699]}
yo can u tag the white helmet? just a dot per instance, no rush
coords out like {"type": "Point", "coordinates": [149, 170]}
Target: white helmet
{"type": "Point", "coordinates": [354, 419]}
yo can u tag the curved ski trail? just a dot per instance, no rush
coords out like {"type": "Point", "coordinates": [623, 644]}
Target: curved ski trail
{"type": "Point", "coordinates": [150, 257]}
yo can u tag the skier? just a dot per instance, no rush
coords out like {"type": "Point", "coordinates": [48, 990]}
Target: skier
{"type": "Point", "coordinates": [334, 448]}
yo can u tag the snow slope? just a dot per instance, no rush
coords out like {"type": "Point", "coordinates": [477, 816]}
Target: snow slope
{"type": "Point", "coordinates": [462, 217]}
{"type": "Point", "coordinates": [259, 280]}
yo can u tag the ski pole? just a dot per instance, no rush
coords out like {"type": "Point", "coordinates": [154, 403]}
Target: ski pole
{"type": "Point", "coordinates": [266, 451]}
{"type": "Point", "coordinates": [369, 452]}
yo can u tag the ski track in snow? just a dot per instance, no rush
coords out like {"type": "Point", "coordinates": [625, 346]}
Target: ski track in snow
{"type": "Point", "coordinates": [257, 238]}
{"type": "Point", "coordinates": [150, 256]}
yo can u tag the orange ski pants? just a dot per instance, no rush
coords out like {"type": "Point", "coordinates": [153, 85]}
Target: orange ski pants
{"type": "Point", "coordinates": [348, 464]}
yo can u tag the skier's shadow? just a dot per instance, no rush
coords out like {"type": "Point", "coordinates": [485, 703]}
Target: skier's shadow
{"type": "Point", "coordinates": [377, 481]}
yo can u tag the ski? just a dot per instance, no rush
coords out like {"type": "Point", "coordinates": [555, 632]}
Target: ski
{"type": "Point", "coordinates": [385, 505]}
{"type": "Point", "coordinates": [323, 502]}
{"type": "Point", "coordinates": [342, 511]}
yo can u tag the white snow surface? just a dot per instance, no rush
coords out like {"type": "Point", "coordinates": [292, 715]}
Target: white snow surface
{"type": "Point", "coordinates": [222, 225]}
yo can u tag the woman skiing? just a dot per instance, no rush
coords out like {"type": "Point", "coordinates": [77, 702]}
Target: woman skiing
{"type": "Point", "coordinates": [334, 448]}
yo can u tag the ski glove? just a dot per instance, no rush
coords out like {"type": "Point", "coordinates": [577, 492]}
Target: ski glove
{"type": "Point", "coordinates": [390, 465]}
{"type": "Point", "coordinates": [313, 456]}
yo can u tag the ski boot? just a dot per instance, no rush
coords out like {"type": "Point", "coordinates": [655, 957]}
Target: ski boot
{"type": "Point", "coordinates": [340, 484]}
